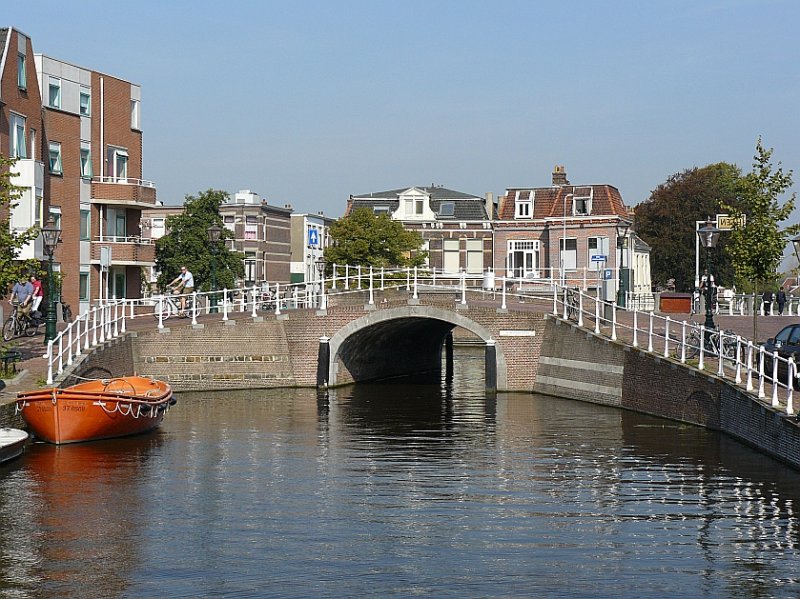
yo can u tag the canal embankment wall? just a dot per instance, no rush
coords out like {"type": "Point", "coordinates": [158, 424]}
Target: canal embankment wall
{"type": "Point", "coordinates": [577, 364]}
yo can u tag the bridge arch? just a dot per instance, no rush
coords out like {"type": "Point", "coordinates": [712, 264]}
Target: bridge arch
{"type": "Point", "coordinates": [396, 341]}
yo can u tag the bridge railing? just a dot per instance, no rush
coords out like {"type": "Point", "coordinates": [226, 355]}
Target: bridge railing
{"type": "Point", "coordinates": [732, 356]}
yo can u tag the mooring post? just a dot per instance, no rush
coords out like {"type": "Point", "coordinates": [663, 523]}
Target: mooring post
{"type": "Point", "coordinates": [323, 362]}
{"type": "Point", "coordinates": [448, 356]}
{"type": "Point", "coordinates": [491, 366]}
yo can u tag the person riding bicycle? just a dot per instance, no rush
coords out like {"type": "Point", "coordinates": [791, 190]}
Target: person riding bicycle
{"type": "Point", "coordinates": [38, 294]}
{"type": "Point", "coordinates": [183, 284]}
{"type": "Point", "coordinates": [22, 297]}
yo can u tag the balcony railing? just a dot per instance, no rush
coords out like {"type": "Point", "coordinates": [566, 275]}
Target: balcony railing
{"type": "Point", "coordinates": [123, 189]}
{"type": "Point", "coordinates": [127, 250]}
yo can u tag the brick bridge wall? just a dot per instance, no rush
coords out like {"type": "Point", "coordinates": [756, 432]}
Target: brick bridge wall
{"type": "Point", "coordinates": [577, 364]}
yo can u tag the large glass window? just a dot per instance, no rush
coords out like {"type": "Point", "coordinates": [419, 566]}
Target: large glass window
{"type": "Point", "coordinates": [523, 259]}
{"type": "Point", "coordinates": [474, 256]}
{"type": "Point", "coordinates": [22, 72]}
{"type": "Point", "coordinates": [55, 158]}
{"type": "Point", "coordinates": [54, 97]}
{"type": "Point", "coordinates": [17, 132]}
{"type": "Point", "coordinates": [117, 164]}
{"type": "Point", "coordinates": [116, 223]}
{"type": "Point", "coordinates": [450, 258]}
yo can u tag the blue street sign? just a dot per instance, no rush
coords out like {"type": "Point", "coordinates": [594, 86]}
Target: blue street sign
{"type": "Point", "coordinates": [598, 258]}
{"type": "Point", "coordinates": [313, 237]}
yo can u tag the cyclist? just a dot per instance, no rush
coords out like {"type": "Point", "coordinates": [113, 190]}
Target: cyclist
{"type": "Point", "coordinates": [38, 294]}
{"type": "Point", "coordinates": [23, 292]}
{"type": "Point", "coordinates": [183, 284]}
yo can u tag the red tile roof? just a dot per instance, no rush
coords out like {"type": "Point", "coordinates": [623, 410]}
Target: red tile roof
{"type": "Point", "coordinates": [551, 201]}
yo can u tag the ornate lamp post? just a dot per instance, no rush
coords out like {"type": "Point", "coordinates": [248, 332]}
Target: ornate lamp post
{"type": "Point", "coordinates": [320, 264]}
{"type": "Point", "coordinates": [214, 233]}
{"type": "Point", "coordinates": [622, 235]}
{"type": "Point", "coordinates": [709, 235]}
{"type": "Point", "coordinates": [50, 236]}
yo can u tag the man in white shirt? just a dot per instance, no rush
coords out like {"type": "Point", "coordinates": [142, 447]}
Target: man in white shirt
{"type": "Point", "coordinates": [183, 284]}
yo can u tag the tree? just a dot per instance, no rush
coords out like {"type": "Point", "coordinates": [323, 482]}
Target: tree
{"type": "Point", "coordinates": [366, 239]}
{"type": "Point", "coordinates": [666, 221]}
{"type": "Point", "coordinates": [187, 244]}
{"type": "Point", "coordinates": [758, 241]}
{"type": "Point", "coordinates": [11, 242]}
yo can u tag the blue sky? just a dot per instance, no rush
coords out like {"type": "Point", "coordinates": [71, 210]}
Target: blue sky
{"type": "Point", "coordinates": [307, 102]}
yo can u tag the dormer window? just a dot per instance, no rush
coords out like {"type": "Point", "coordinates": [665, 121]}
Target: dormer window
{"type": "Point", "coordinates": [582, 201]}
{"type": "Point", "coordinates": [447, 209]}
{"type": "Point", "coordinates": [523, 207]}
{"type": "Point", "coordinates": [380, 210]}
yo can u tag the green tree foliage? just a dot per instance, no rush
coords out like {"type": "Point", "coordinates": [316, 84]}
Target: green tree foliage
{"type": "Point", "coordinates": [758, 241]}
{"type": "Point", "coordinates": [11, 268]}
{"type": "Point", "coordinates": [366, 239]}
{"type": "Point", "coordinates": [187, 244]}
{"type": "Point", "coordinates": [666, 221]}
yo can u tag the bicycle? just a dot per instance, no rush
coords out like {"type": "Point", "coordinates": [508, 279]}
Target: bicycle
{"type": "Point", "coordinates": [66, 312]}
{"type": "Point", "coordinates": [19, 324]}
{"type": "Point", "coordinates": [572, 304]}
{"type": "Point", "coordinates": [171, 306]}
{"type": "Point", "coordinates": [694, 342]}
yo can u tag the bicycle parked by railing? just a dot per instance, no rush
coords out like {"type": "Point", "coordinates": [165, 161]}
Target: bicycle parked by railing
{"type": "Point", "coordinates": [19, 324]}
{"type": "Point", "coordinates": [694, 342]}
{"type": "Point", "coordinates": [170, 306]}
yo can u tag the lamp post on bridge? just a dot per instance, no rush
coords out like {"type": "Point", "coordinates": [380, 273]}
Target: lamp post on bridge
{"type": "Point", "coordinates": [709, 235]}
{"type": "Point", "coordinates": [214, 233]}
{"type": "Point", "coordinates": [622, 282]}
{"type": "Point", "coordinates": [320, 264]}
{"type": "Point", "coordinates": [50, 236]}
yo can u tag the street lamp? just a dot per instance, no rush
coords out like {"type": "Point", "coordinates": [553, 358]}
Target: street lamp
{"type": "Point", "coordinates": [214, 233]}
{"type": "Point", "coordinates": [622, 234]}
{"type": "Point", "coordinates": [320, 264]}
{"type": "Point", "coordinates": [50, 236]}
{"type": "Point", "coordinates": [796, 245]}
{"type": "Point", "coordinates": [709, 235]}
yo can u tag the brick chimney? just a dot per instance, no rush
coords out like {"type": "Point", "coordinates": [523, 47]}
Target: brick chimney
{"type": "Point", "coordinates": [559, 176]}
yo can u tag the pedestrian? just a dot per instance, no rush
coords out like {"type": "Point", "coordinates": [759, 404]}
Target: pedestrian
{"type": "Point", "coordinates": [781, 299]}
{"type": "Point", "coordinates": [22, 296]}
{"type": "Point", "coordinates": [183, 284]}
{"type": "Point", "coordinates": [766, 303]}
{"type": "Point", "coordinates": [38, 293]}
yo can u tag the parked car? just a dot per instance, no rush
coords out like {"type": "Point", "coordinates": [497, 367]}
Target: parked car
{"type": "Point", "coordinates": [787, 344]}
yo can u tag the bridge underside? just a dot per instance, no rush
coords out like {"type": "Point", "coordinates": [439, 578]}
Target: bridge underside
{"type": "Point", "coordinates": [397, 347]}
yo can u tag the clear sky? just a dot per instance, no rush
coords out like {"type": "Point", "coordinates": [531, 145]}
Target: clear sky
{"type": "Point", "coordinates": [307, 102]}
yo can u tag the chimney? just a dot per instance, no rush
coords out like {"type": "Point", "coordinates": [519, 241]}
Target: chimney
{"type": "Point", "coordinates": [489, 203]}
{"type": "Point", "coordinates": [559, 176]}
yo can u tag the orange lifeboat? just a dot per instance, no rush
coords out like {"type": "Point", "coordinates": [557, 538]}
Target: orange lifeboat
{"type": "Point", "coordinates": [99, 409]}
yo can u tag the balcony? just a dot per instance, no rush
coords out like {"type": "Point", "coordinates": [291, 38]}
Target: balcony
{"type": "Point", "coordinates": [135, 193]}
{"type": "Point", "coordinates": [124, 251]}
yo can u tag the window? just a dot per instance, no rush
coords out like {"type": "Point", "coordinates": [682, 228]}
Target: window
{"type": "Point", "coordinates": [569, 253]}
{"type": "Point", "coordinates": [447, 209]}
{"type": "Point", "coordinates": [116, 224]}
{"type": "Point", "coordinates": [55, 158]}
{"type": "Point", "coordinates": [229, 222]}
{"type": "Point", "coordinates": [450, 258]}
{"type": "Point", "coordinates": [118, 164]}
{"type": "Point", "coordinates": [135, 114]}
{"type": "Point", "coordinates": [523, 259]}
{"type": "Point", "coordinates": [380, 210]}
{"type": "Point", "coordinates": [18, 149]}
{"type": "Point", "coordinates": [582, 201]}
{"type": "Point", "coordinates": [474, 256]}
{"type": "Point", "coordinates": [523, 207]}
{"type": "Point", "coordinates": [54, 97]}
{"type": "Point", "coordinates": [55, 214]}
{"type": "Point", "coordinates": [86, 162]}
{"type": "Point", "coordinates": [418, 206]}
{"type": "Point", "coordinates": [251, 227]}
{"type": "Point", "coordinates": [157, 228]}
{"type": "Point", "coordinates": [85, 103]}
{"type": "Point", "coordinates": [22, 72]}
{"type": "Point", "coordinates": [250, 268]}
{"type": "Point", "coordinates": [596, 246]}
{"type": "Point", "coordinates": [84, 225]}
{"type": "Point", "coordinates": [83, 287]}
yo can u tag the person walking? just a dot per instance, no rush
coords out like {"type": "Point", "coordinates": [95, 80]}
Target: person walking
{"type": "Point", "coordinates": [781, 299]}
{"type": "Point", "coordinates": [38, 293]}
{"type": "Point", "coordinates": [766, 303]}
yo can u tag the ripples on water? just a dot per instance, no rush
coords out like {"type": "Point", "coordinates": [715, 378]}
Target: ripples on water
{"type": "Point", "coordinates": [400, 490]}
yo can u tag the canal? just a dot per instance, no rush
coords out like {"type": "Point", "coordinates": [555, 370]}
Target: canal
{"type": "Point", "coordinates": [408, 489]}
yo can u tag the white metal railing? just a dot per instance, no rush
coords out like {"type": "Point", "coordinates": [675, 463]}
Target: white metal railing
{"type": "Point", "coordinates": [731, 356]}
{"type": "Point", "coordinates": [123, 181]}
{"type": "Point", "coordinates": [124, 239]}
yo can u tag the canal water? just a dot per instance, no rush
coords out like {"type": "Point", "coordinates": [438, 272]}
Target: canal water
{"type": "Point", "coordinates": [408, 489]}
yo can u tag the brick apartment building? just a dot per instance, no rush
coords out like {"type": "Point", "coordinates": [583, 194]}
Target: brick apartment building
{"type": "Point", "coordinates": [81, 164]}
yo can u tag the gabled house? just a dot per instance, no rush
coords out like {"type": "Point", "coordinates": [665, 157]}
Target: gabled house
{"type": "Point", "coordinates": [572, 234]}
{"type": "Point", "coordinates": [456, 227]}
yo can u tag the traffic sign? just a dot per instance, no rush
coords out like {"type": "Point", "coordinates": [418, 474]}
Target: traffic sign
{"type": "Point", "coordinates": [598, 258]}
{"type": "Point", "coordinates": [313, 238]}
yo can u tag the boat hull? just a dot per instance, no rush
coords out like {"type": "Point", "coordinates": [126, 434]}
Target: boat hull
{"type": "Point", "coordinates": [12, 443]}
{"type": "Point", "coordinates": [95, 410]}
